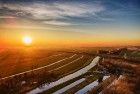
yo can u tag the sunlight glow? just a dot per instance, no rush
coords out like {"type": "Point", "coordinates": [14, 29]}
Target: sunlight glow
{"type": "Point", "coordinates": [27, 40]}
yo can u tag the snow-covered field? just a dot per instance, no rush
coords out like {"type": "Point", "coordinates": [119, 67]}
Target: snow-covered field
{"type": "Point", "coordinates": [66, 78]}
{"type": "Point", "coordinates": [69, 86]}
{"type": "Point", "coordinates": [90, 86]}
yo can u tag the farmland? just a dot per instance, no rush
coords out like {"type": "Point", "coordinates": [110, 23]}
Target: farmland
{"type": "Point", "coordinates": [67, 71]}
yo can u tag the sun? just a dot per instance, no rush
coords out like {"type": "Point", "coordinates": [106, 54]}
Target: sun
{"type": "Point", "coordinates": [27, 40]}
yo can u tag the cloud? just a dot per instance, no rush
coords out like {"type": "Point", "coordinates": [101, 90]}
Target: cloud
{"type": "Point", "coordinates": [53, 11]}
{"type": "Point", "coordinates": [60, 23]}
{"type": "Point", "coordinates": [57, 10]}
{"type": "Point", "coordinates": [7, 17]}
{"type": "Point", "coordinates": [77, 9]}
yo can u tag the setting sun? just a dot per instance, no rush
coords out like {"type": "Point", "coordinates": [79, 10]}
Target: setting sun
{"type": "Point", "coordinates": [27, 40]}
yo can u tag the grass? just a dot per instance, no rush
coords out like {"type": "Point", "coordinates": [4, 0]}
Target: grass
{"type": "Point", "coordinates": [13, 61]}
{"type": "Point", "coordinates": [67, 71]}
{"type": "Point", "coordinates": [19, 61]}
{"type": "Point", "coordinates": [130, 72]}
{"type": "Point", "coordinates": [14, 85]}
{"type": "Point", "coordinates": [102, 85]}
{"type": "Point", "coordinates": [73, 66]}
{"type": "Point", "coordinates": [122, 86]}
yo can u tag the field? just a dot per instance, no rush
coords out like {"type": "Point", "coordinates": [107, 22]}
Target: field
{"type": "Point", "coordinates": [67, 71]}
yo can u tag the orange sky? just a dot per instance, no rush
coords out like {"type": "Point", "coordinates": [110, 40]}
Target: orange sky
{"type": "Point", "coordinates": [70, 23]}
{"type": "Point", "coordinates": [12, 31]}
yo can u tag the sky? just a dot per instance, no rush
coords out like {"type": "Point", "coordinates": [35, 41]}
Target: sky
{"type": "Point", "coordinates": [70, 22]}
